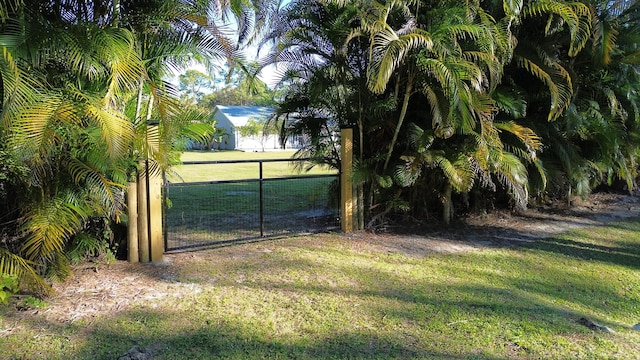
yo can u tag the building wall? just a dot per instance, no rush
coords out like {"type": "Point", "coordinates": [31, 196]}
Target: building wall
{"type": "Point", "coordinates": [230, 117]}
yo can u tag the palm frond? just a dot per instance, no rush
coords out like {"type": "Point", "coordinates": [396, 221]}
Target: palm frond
{"type": "Point", "coordinates": [575, 14]}
{"type": "Point", "coordinates": [388, 51]}
{"type": "Point", "coordinates": [19, 89]}
{"type": "Point", "coordinates": [107, 192]}
{"type": "Point", "coordinates": [604, 41]}
{"type": "Point", "coordinates": [14, 264]}
{"type": "Point", "coordinates": [116, 129]}
{"type": "Point", "coordinates": [557, 81]}
{"type": "Point", "coordinates": [527, 136]}
{"type": "Point", "coordinates": [124, 63]}
{"type": "Point", "coordinates": [437, 116]}
{"type": "Point", "coordinates": [512, 8]}
{"type": "Point", "coordinates": [459, 173]}
{"type": "Point", "coordinates": [512, 174]}
{"type": "Point", "coordinates": [48, 226]}
{"type": "Point", "coordinates": [510, 101]}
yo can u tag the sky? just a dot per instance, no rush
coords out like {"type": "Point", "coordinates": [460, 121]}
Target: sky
{"type": "Point", "coordinates": [268, 75]}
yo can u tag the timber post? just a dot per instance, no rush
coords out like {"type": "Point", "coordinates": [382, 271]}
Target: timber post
{"type": "Point", "coordinates": [144, 197]}
{"type": "Point", "coordinates": [143, 214]}
{"type": "Point", "coordinates": [132, 227]}
{"type": "Point", "coordinates": [346, 185]}
{"type": "Point", "coordinates": [156, 243]}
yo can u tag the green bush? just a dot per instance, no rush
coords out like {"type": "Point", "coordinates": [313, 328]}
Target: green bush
{"type": "Point", "coordinates": [8, 287]}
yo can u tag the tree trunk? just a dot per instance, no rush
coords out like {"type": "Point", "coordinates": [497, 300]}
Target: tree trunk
{"type": "Point", "coordinates": [403, 113]}
{"type": "Point", "coordinates": [360, 207]}
{"type": "Point", "coordinates": [447, 205]}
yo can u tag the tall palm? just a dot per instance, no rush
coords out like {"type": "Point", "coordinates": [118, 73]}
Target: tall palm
{"type": "Point", "coordinates": [421, 63]}
{"type": "Point", "coordinates": [321, 69]}
{"type": "Point", "coordinates": [76, 116]}
{"type": "Point", "coordinates": [605, 107]}
{"type": "Point", "coordinates": [454, 76]}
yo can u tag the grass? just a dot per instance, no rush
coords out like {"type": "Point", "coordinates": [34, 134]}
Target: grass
{"type": "Point", "coordinates": [238, 171]}
{"type": "Point", "coordinates": [336, 296]}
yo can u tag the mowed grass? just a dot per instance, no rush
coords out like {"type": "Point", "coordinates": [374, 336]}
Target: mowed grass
{"type": "Point", "coordinates": [240, 171]}
{"type": "Point", "coordinates": [336, 296]}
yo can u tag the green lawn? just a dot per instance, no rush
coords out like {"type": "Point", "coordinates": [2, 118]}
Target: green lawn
{"type": "Point", "coordinates": [340, 297]}
{"type": "Point", "coordinates": [238, 171]}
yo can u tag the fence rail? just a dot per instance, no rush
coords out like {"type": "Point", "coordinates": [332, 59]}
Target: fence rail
{"type": "Point", "coordinates": [203, 213]}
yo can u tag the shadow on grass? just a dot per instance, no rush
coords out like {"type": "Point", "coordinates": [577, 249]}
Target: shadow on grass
{"type": "Point", "coordinates": [482, 305]}
{"type": "Point", "coordinates": [619, 248]}
{"type": "Point", "coordinates": [111, 338]}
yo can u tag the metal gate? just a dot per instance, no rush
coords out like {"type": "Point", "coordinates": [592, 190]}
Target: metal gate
{"type": "Point", "coordinates": [235, 208]}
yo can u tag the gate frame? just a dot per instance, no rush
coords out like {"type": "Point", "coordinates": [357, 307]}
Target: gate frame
{"type": "Point", "coordinates": [152, 210]}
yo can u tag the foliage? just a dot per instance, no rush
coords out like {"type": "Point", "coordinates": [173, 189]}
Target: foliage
{"type": "Point", "coordinates": [456, 100]}
{"type": "Point", "coordinates": [8, 287]}
{"type": "Point", "coordinates": [81, 84]}
{"type": "Point", "coordinates": [194, 85]}
{"type": "Point", "coordinates": [240, 86]}
{"type": "Point", "coordinates": [32, 302]}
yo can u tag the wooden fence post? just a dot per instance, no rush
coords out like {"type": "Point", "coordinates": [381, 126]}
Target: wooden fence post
{"type": "Point", "coordinates": [143, 214]}
{"type": "Point", "coordinates": [132, 228]}
{"type": "Point", "coordinates": [144, 198]}
{"type": "Point", "coordinates": [346, 186]}
{"type": "Point", "coordinates": [156, 242]}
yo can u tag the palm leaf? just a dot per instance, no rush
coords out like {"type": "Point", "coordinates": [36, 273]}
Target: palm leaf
{"type": "Point", "coordinates": [557, 80]}
{"type": "Point", "coordinates": [528, 137]}
{"type": "Point", "coordinates": [14, 264]}
{"type": "Point", "coordinates": [604, 41]}
{"type": "Point", "coordinates": [512, 174]}
{"type": "Point", "coordinates": [124, 63]}
{"type": "Point", "coordinates": [388, 51]}
{"type": "Point", "coordinates": [19, 89]}
{"type": "Point", "coordinates": [107, 192]}
{"type": "Point", "coordinates": [512, 8]}
{"type": "Point", "coordinates": [48, 226]}
{"type": "Point", "coordinates": [575, 14]}
{"type": "Point", "coordinates": [459, 173]}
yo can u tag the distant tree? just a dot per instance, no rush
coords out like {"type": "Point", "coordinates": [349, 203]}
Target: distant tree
{"type": "Point", "coordinates": [194, 85]}
{"type": "Point", "coordinates": [240, 87]}
{"type": "Point", "coordinates": [259, 130]}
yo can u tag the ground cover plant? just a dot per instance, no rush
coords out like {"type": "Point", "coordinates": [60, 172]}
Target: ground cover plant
{"type": "Point", "coordinates": [358, 296]}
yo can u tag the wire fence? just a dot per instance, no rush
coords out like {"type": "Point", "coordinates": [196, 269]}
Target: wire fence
{"type": "Point", "coordinates": [204, 213]}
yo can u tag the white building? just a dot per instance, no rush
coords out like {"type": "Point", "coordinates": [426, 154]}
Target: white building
{"type": "Point", "coordinates": [231, 118]}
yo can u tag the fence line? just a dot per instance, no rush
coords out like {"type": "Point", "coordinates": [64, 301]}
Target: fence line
{"type": "Point", "coordinates": [204, 213]}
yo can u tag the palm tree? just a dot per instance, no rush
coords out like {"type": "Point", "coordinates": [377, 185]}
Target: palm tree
{"type": "Point", "coordinates": [589, 140]}
{"type": "Point", "coordinates": [423, 61]}
{"type": "Point", "coordinates": [454, 76]}
{"type": "Point", "coordinates": [79, 82]}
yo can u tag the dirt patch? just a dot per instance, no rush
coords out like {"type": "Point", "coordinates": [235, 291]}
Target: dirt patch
{"type": "Point", "coordinates": [97, 289]}
{"type": "Point", "coordinates": [505, 228]}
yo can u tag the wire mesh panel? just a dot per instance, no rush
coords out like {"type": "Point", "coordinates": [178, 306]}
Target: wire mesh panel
{"type": "Point", "coordinates": [208, 212]}
{"type": "Point", "coordinates": [199, 214]}
{"type": "Point", "coordinates": [299, 205]}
